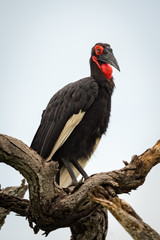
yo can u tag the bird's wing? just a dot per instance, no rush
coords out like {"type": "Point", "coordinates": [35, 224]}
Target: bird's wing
{"type": "Point", "coordinates": [73, 121]}
{"type": "Point", "coordinates": [63, 113]}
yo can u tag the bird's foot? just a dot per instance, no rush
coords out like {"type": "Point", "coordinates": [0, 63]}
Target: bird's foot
{"type": "Point", "coordinates": [77, 186]}
{"type": "Point", "coordinates": [74, 186]}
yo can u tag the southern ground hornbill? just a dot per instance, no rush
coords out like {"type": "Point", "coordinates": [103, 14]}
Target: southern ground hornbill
{"type": "Point", "coordinates": [76, 117]}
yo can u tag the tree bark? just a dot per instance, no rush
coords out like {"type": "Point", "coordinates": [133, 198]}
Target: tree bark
{"type": "Point", "coordinates": [11, 191]}
{"type": "Point", "coordinates": [50, 207]}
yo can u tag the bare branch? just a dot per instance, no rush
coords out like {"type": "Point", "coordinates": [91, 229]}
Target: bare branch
{"type": "Point", "coordinates": [120, 181]}
{"type": "Point", "coordinates": [14, 204]}
{"type": "Point", "coordinates": [11, 192]}
{"type": "Point", "coordinates": [52, 207]}
{"type": "Point", "coordinates": [39, 175]}
{"type": "Point", "coordinates": [128, 218]}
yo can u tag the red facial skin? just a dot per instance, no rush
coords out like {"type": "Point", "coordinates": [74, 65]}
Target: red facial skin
{"type": "Point", "coordinates": [105, 67]}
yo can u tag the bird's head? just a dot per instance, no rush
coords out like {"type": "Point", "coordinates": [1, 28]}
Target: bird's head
{"type": "Point", "coordinates": [103, 56]}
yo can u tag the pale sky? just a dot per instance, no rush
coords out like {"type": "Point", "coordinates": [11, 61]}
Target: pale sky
{"type": "Point", "coordinates": [47, 44]}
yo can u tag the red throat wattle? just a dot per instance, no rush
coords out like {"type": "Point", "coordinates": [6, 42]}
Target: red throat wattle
{"type": "Point", "coordinates": [107, 70]}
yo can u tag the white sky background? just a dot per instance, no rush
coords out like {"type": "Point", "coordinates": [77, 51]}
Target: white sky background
{"type": "Point", "coordinates": [44, 46]}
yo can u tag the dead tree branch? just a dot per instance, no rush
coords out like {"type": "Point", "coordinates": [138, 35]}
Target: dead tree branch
{"type": "Point", "coordinates": [51, 207]}
{"type": "Point", "coordinates": [11, 192]}
{"type": "Point", "coordinates": [128, 218]}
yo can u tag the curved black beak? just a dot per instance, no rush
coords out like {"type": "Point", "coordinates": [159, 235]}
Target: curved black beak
{"type": "Point", "coordinates": [108, 57]}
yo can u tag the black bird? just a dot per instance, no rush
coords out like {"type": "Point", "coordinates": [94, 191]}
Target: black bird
{"type": "Point", "coordinates": [76, 117]}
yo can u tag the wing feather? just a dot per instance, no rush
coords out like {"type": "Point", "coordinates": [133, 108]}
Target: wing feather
{"type": "Point", "coordinates": [67, 130]}
{"type": "Point", "coordinates": [63, 113]}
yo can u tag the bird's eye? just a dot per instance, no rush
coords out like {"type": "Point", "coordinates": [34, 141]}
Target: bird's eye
{"type": "Point", "coordinates": [98, 50]}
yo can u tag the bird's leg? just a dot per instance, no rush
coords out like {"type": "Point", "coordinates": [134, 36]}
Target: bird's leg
{"type": "Point", "coordinates": [70, 170]}
{"type": "Point", "coordinates": [79, 168]}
